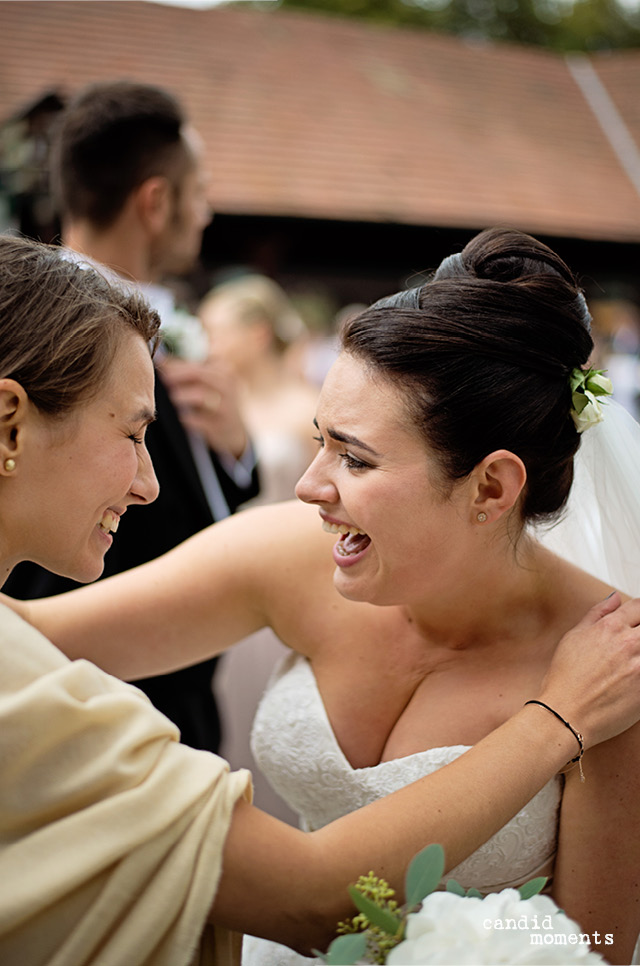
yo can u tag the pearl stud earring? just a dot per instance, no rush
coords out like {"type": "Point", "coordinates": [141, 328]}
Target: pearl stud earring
{"type": "Point", "coordinates": [9, 465]}
{"type": "Point", "coordinates": [482, 517]}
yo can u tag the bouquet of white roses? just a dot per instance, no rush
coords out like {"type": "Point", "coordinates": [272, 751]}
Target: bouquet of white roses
{"type": "Point", "coordinates": [455, 927]}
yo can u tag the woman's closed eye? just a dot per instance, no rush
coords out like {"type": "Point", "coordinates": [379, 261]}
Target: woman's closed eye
{"type": "Point", "coordinates": [353, 463]}
{"type": "Point", "coordinates": [350, 461]}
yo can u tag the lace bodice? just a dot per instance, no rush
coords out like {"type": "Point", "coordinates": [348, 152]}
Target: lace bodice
{"type": "Point", "coordinates": [296, 748]}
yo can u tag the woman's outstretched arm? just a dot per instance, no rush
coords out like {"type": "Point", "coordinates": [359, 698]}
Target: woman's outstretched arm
{"type": "Point", "coordinates": [290, 886]}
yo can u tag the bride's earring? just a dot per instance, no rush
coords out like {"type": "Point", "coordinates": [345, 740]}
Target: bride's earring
{"type": "Point", "coordinates": [482, 517]}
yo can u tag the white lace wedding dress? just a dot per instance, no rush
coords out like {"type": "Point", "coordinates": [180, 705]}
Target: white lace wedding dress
{"type": "Point", "coordinates": [295, 747]}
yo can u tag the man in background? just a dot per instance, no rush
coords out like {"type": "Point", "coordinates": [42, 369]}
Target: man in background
{"type": "Point", "coordinates": [129, 187]}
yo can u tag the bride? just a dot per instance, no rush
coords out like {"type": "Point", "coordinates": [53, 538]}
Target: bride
{"type": "Point", "coordinates": [420, 610]}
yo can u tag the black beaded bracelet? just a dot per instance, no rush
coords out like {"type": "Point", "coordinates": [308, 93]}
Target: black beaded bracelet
{"type": "Point", "coordinates": [576, 734]}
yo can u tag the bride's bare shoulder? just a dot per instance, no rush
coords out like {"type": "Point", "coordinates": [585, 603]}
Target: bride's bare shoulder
{"type": "Point", "coordinates": [287, 560]}
{"type": "Point", "coordinates": [288, 522]}
{"type": "Point", "coordinates": [294, 510]}
{"type": "Point", "coordinates": [580, 590]}
{"type": "Point", "coordinates": [278, 541]}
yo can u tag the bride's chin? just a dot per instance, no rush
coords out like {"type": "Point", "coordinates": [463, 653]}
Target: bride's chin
{"type": "Point", "coordinates": [359, 591]}
{"type": "Point", "coordinates": [348, 589]}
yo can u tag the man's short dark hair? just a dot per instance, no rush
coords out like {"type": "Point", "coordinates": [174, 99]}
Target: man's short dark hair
{"type": "Point", "coordinates": [110, 139]}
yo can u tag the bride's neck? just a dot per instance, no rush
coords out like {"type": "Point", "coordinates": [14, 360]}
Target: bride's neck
{"type": "Point", "coordinates": [505, 599]}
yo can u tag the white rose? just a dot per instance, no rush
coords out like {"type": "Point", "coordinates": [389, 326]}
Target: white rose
{"type": "Point", "coordinates": [451, 929]}
{"type": "Point", "coordinates": [590, 415]}
{"type": "Point", "coordinates": [601, 382]}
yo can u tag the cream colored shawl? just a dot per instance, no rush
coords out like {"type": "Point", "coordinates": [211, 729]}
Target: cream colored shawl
{"type": "Point", "coordinates": [111, 832]}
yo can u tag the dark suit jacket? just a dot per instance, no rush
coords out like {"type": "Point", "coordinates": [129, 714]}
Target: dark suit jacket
{"type": "Point", "coordinates": [146, 532]}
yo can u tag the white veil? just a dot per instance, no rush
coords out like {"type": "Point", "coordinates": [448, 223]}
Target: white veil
{"type": "Point", "coordinates": [600, 529]}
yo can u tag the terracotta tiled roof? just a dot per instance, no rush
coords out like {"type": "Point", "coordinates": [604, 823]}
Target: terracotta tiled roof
{"type": "Point", "coordinates": [315, 116]}
{"type": "Point", "coordinates": [620, 73]}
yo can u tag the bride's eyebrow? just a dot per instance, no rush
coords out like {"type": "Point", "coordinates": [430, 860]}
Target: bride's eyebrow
{"type": "Point", "coordinates": [347, 438]}
{"type": "Point", "coordinates": [351, 440]}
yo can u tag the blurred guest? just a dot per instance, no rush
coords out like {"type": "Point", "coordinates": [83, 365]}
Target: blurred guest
{"type": "Point", "coordinates": [616, 324]}
{"type": "Point", "coordinates": [252, 323]}
{"type": "Point", "coordinates": [129, 185]}
{"type": "Point", "coordinates": [313, 355]}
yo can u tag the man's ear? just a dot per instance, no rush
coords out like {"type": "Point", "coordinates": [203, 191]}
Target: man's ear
{"type": "Point", "coordinates": [153, 201]}
{"type": "Point", "coordinates": [13, 409]}
{"type": "Point", "coordinates": [499, 480]}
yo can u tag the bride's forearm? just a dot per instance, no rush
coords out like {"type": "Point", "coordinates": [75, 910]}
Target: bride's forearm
{"type": "Point", "coordinates": [181, 608]}
{"type": "Point", "coordinates": [188, 605]}
{"type": "Point", "coordinates": [139, 623]}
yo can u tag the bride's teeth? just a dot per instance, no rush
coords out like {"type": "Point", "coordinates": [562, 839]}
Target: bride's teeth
{"type": "Point", "coordinates": [341, 528]}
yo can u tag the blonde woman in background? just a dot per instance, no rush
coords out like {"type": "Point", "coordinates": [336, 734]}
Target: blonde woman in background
{"type": "Point", "coordinates": [251, 324]}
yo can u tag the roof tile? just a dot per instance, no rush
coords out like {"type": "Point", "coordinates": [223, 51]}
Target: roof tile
{"type": "Point", "coordinates": [316, 116]}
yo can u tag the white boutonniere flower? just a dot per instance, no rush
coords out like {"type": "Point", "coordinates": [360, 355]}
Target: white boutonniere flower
{"type": "Point", "coordinates": [183, 335]}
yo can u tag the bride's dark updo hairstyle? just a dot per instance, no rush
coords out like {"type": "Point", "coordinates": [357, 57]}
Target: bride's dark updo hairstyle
{"type": "Point", "coordinates": [483, 353]}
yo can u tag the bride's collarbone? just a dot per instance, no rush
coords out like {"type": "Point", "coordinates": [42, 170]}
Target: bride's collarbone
{"type": "Point", "coordinates": [390, 693]}
{"type": "Point", "coordinates": [382, 706]}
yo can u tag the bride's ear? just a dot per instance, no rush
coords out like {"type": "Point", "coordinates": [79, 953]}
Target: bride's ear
{"type": "Point", "coordinates": [498, 482]}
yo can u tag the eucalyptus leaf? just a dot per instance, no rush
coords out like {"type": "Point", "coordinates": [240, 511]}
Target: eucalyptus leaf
{"type": "Point", "coordinates": [346, 950]}
{"type": "Point", "coordinates": [424, 874]}
{"type": "Point", "coordinates": [533, 887]}
{"type": "Point", "coordinates": [474, 894]}
{"type": "Point", "coordinates": [377, 917]}
{"type": "Point", "coordinates": [455, 887]}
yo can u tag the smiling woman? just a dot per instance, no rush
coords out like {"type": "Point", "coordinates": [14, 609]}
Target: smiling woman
{"type": "Point", "coordinates": [94, 465]}
{"type": "Point", "coordinates": [139, 841]}
{"type": "Point", "coordinates": [75, 443]}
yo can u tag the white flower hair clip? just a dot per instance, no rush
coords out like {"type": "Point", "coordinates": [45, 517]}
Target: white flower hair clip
{"type": "Point", "coordinates": [586, 386]}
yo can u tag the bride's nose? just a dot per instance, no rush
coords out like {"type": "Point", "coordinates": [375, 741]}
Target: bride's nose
{"type": "Point", "coordinates": [315, 484]}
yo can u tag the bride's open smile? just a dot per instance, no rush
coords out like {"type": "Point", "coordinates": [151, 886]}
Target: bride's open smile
{"type": "Point", "coordinates": [375, 484]}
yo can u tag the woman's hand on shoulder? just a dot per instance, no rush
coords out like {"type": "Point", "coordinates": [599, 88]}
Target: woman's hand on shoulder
{"type": "Point", "coordinates": [594, 677]}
